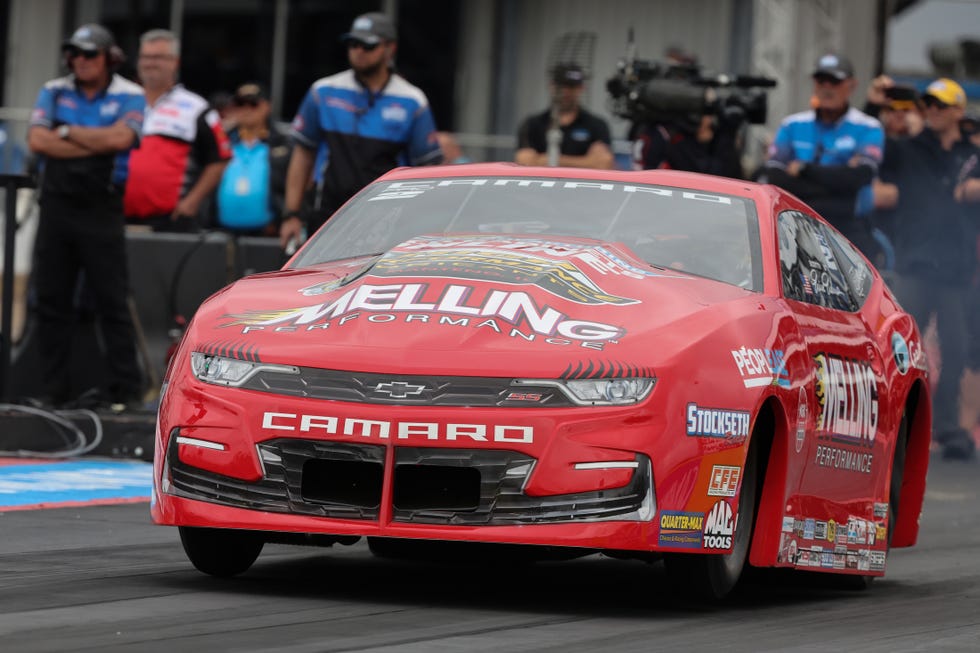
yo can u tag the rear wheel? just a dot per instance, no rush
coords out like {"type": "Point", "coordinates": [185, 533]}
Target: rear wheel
{"type": "Point", "coordinates": [713, 576]}
{"type": "Point", "coordinates": [220, 552]}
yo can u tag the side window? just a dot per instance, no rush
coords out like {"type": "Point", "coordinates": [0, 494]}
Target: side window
{"type": "Point", "coordinates": [808, 265]}
{"type": "Point", "coordinates": [855, 269]}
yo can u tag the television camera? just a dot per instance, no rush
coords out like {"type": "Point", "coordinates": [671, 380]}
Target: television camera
{"type": "Point", "coordinates": [652, 92]}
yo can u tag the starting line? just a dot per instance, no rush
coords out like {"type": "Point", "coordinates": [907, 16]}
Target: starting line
{"type": "Point", "coordinates": [35, 484]}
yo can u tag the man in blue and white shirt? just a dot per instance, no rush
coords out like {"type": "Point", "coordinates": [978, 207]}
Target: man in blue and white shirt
{"type": "Point", "coordinates": [83, 127]}
{"type": "Point", "coordinates": [826, 155]}
{"type": "Point", "coordinates": [366, 120]}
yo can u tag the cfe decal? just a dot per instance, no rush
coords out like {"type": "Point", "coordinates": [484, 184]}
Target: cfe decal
{"type": "Point", "coordinates": [450, 305]}
{"type": "Point", "coordinates": [719, 526]}
{"type": "Point", "coordinates": [724, 480]}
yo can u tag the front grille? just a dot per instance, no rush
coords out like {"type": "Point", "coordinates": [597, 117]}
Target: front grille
{"type": "Point", "coordinates": [308, 477]}
{"type": "Point", "coordinates": [466, 487]}
{"type": "Point", "coordinates": [406, 390]}
{"type": "Point", "coordinates": [501, 495]}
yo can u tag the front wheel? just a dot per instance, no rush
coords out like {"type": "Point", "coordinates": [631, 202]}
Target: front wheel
{"type": "Point", "coordinates": [713, 576]}
{"type": "Point", "coordinates": [220, 552]}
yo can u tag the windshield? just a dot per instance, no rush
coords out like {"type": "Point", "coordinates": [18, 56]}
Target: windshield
{"type": "Point", "coordinates": [710, 235]}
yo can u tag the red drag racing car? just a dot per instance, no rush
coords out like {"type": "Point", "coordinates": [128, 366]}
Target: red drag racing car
{"type": "Point", "coordinates": [642, 363]}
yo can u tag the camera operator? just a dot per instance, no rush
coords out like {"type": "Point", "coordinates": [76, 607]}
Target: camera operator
{"type": "Point", "coordinates": [826, 155]}
{"type": "Point", "coordinates": [585, 140]}
{"type": "Point", "coordinates": [705, 143]}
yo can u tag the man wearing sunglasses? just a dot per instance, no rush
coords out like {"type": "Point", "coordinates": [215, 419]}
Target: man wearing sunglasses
{"type": "Point", "coordinates": [356, 125]}
{"type": "Point", "coordinates": [827, 155]}
{"type": "Point", "coordinates": [937, 174]}
{"type": "Point", "coordinates": [83, 127]}
{"type": "Point", "coordinates": [184, 148]}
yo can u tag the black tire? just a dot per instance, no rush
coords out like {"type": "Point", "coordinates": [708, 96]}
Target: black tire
{"type": "Point", "coordinates": [712, 576]}
{"type": "Point", "coordinates": [219, 552]}
{"type": "Point", "coordinates": [898, 473]}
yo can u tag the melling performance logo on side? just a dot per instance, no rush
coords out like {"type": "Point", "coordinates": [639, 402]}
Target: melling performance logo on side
{"type": "Point", "coordinates": [719, 526]}
{"type": "Point", "coordinates": [847, 397]}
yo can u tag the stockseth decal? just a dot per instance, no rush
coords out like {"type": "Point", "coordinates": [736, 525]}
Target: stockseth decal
{"type": "Point", "coordinates": [719, 526]}
{"type": "Point", "coordinates": [681, 529]}
{"type": "Point", "coordinates": [560, 278]}
{"type": "Point", "coordinates": [452, 305]}
{"type": "Point", "coordinates": [385, 430]}
{"type": "Point", "coordinates": [761, 367]}
{"type": "Point", "coordinates": [724, 481]}
{"type": "Point", "coordinates": [717, 422]}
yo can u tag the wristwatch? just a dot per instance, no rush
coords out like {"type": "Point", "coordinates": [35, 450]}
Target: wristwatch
{"type": "Point", "coordinates": [62, 131]}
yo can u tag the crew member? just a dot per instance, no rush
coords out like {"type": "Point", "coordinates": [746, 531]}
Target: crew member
{"type": "Point", "coordinates": [367, 119]}
{"type": "Point", "coordinates": [585, 140]}
{"type": "Point", "coordinates": [184, 149]}
{"type": "Point", "coordinates": [826, 155]}
{"type": "Point", "coordinates": [83, 127]}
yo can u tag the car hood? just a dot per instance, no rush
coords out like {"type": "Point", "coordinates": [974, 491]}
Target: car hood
{"type": "Point", "coordinates": [468, 305]}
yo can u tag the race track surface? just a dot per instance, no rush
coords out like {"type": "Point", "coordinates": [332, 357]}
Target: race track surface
{"type": "Point", "coordinates": [103, 578]}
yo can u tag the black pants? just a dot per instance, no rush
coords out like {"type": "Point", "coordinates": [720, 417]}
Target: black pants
{"type": "Point", "coordinates": [948, 302]}
{"type": "Point", "coordinates": [74, 236]}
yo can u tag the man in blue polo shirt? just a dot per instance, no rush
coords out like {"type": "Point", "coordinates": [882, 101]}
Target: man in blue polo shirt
{"type": "Point", "coordinates": [83, 127]}
{"type": "Point", "coordinates": [826, 155]}
{"type": "Point", "coordinates": [368, 120]}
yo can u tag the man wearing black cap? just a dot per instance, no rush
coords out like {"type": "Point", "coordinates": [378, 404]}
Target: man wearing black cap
{"type": "Point", "coordinates": [826, 155]}
{"type": "Point", "coordinates": [365, 121]}
{"type": "Point", "coordinates": [937, 174]}
{"type": "Point", "coordinates": [250, 195]}
{"type": "Point", "coordinates": [83, 127]}
{"type": "Point", "coordinates": [585, 140]}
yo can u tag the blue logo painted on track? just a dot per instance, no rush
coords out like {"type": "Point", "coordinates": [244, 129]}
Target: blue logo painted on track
{"type": "Point", "coordinates": [74, 482]}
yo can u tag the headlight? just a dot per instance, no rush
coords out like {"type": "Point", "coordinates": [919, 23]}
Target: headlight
{"type": "Point", "coordinates": [221, 370]}
{"type": "Point", "coordinates": [599, 392]}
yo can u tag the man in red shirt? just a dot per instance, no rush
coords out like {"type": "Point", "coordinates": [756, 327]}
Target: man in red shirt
{"type": "Point", "coordinates": [184, 149]}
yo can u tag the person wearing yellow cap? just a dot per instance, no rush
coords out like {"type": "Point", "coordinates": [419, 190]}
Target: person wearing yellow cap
{"type": "Point", "coordinates": [937, 174]}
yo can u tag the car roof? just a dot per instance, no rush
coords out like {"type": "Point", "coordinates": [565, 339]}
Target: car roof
{"type": "Point", "coordinates": [764, 194]}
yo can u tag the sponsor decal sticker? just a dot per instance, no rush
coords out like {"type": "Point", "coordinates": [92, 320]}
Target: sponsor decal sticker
{"type": "Point", "coordinates": [717, 422]}
{"type": "Point", "coordinates": [452, 306]}
{"type": "Point", "coordinates": [900, 350]}
{"type": "Point", "coordinates": [809, 529]}
{"type": "Point", "coordinates": [761, 367]}
{"type": "Point", "coordinates": [877, 560]}
{"type": "Point", "coordinates": [719, 526]}
{"type": "Point", "coordinates": [788, 523]}
{"type": "Point", "coordinates": [396, 430]}
{"type": "Point", "coordinates": [831, 530]}
{"type": "Point", "coordinates": [802, 412]}
{"type": "Point", "coordinates": [847, 398]}
{"type": "Point", "coordinates": [681, 529]}
{"type": "Point", "coordinates": [724, 480]}
{"type": "Point", "coordinates": [880, 510]}
{"type": "Point", "coordinates": [820, 530]}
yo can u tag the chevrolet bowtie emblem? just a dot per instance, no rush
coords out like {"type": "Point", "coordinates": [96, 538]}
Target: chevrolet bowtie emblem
{"type": "Point", "coordinates": [398, 389]}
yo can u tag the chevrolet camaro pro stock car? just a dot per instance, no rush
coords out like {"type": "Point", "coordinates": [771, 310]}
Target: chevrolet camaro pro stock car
{"type": "Point", "coordinates": [650, 364]}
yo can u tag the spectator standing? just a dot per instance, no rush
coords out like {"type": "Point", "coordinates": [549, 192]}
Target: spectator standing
{"type": "Point", "coordinates": [585, 140]}
{"type": "Point", "coordinates": [368, 120]}
{"type": "Point", "coordinates": [826, 155]}
{"type": "Point", "coordinates": [250, 196]}
{"type": "Point", "coordinates": [937, 174]}
{"type": "Point", "coordinates": [184, 149]}
{"type": "Point", "coordinates": [83, 128]}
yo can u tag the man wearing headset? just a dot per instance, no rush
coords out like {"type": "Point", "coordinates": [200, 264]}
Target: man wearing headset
{"type": "Point", "coordinates": [83, 127]}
